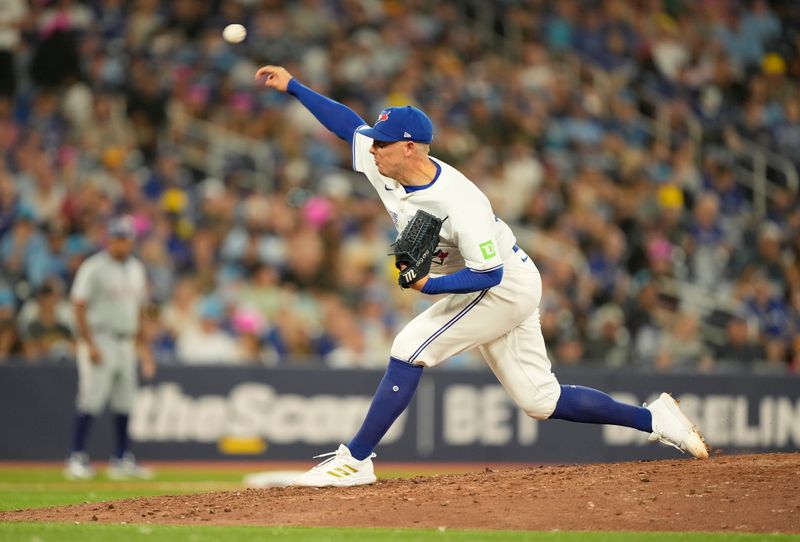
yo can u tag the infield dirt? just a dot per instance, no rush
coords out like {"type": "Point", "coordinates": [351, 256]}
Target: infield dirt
{"type": "Point", "coordinates": [744, 493]}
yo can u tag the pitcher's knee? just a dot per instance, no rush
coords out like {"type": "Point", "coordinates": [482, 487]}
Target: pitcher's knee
{"type": "Point", "coordinates": [404, 347]}
{"type": "Point", "coordinates": [541, 405]}
{"type": "Point", "coordinates": [540, 409]}
{"type": "Point", "coordinates": [399, 353]}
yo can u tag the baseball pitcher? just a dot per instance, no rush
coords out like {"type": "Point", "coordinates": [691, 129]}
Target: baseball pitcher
{"type": "Point", "coordinates": [452, 243]}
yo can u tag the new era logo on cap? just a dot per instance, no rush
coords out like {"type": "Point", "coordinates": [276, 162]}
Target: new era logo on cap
{"type": "Point", "coordinates": [405, 123]}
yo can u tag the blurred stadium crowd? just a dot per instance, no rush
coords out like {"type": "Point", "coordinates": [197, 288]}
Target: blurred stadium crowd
{"type": "Point", "coordinates": [575, 117]}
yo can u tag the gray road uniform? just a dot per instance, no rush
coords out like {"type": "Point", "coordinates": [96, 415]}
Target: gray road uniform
{"type": "Point", "coordinates": [114, 293]}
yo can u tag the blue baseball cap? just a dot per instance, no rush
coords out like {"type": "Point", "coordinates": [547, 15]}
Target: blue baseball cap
{"type": "Point", "coordinates": [404, 123]}
{"type": "Point", "coordinates": [122, 227]}
{"type": "Point", "coordinates": [211, 308]}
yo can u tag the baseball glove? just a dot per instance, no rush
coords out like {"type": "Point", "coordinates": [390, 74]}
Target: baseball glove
{"type": "Point", "coordinates": [413, 250]}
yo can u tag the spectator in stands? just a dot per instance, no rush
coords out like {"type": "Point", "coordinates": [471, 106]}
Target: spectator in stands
{"type": "Point", "coordinates": [752, 124]}
{"type": "Point", "coordinates": [208, 343]}
{"type": "Point", "coordinates": [11, 23]}
{"type": "Point", "coordinates": [108, 134]}
{"type": "Point", "coordinates": [291, 338]}
{"type": "Point", "coordinates": [794, 310]}
{"type": "Point", "coordinates": [744, 44]}
{"type": "Point", "coordinates": [61, 261]}
{"type": "Point", "coordinates": [766, 259]}
{"type": "Point", "coordinates": [569, 348]}
{"type": "Point", "coordinates": [347, 347]}
{"type": "Point", "coordinates": [56, 58]}
{"type": "Point", "coordinates": [767, 309]}
{"type": "Point", "coordinates": [735, 210]}
{"type": "Point", "coordinates": [159, 267]}
{"type": "Point", "coordinates": [794, 355]}
{"type": "Point", "coordinates": [761, 21]}
{"type": "Point", "coordinates": [9, 200]}
{"type": "Point", "coordinates": [9, 339]}
{"type": "Point", "coordinates": [146, 105]}
{"type": "Point", "coordinates": [157, 336]}
{"type": "Point", "coordinates": [181, 311]}
{"type": "Point", "coordinates": [739, 350]}
{"type": "Point", "coordinates": [706, 246]}
{"type": "Point", "coordinates": [23, 249]}
{"type": "Point", "coordinates": [251, 331]}
{"type": "Point", "coordinates": [608, 340]}
{"type": "Point", "coordinates": [43, 192]}
{"type": "Point", "coordinates": [682, 349]}
{"type": "Point", "coordinates": [777, 357]}
{"type": "Point", "coordinates": [566, 114]}
{"type": "Point", "coordinates": [786, 133]}
{"type": "Point", "coordinates": [607, 268]}
{"type": "Point", "coordinates": [649, 317]}
{"type": "Point", "coordinates": [46, 337]}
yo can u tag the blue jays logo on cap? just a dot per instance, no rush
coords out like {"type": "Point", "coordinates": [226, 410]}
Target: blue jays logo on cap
{"type": "Point", "coordinates": [404, 123]}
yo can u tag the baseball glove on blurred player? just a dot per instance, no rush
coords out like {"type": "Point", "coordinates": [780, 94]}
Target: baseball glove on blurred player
{"type": "Point", "coordinates": [415, 247]}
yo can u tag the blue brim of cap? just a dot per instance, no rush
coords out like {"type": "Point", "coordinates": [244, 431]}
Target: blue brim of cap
{"type": "Point", "coordinates": [377, 135]}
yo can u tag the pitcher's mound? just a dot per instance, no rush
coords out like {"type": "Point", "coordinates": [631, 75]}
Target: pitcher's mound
{"type": "Point", "coordinates": [754, 493]}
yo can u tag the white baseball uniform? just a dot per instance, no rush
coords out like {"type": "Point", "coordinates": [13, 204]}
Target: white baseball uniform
{"type": "Point", "coordinates": [114, 293]}
{"type": "Point", "coordinates": [503, 321]}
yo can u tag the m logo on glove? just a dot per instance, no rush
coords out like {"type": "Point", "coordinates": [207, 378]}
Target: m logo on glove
{"type": "Point", "coordinates": [408, 276]}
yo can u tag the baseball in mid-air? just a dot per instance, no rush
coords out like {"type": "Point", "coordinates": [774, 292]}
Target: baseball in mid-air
{"type": "Point", "coordinates": [234, 33]}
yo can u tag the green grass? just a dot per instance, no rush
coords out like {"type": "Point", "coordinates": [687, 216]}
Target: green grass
{"type": "Point", "coordinates": [33, 487]}
{"type": "Point", "coordinates": [45, 486]}
{"type": "Point", "coordinates": [39, 487]}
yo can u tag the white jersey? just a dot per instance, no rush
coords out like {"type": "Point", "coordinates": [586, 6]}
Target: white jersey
{"type": "Point", "coordinates": [471, 236]}
{"type": "Point", "coordinates": [113, 291]}
{"type": "Point", "coordinates": [502, 322]}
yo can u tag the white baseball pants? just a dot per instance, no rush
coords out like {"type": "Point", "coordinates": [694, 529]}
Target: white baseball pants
{"type": "Point", "coordinates": [503, 323]}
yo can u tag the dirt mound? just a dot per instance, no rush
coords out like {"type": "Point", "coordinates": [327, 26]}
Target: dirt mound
{"type": "Point", "coordinates": [754, 493]}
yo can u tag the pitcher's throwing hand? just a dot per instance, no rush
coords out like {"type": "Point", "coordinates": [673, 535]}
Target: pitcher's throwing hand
{"type": "Point", "coordinates": [276, 77]}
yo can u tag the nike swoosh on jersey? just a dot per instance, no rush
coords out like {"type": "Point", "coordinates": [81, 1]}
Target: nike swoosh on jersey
{"type": "Point", "coordinates": [387, 188]}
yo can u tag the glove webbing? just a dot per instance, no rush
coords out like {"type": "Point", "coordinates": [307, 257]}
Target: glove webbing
{"type": "Point", "coordinates": [419, 230]}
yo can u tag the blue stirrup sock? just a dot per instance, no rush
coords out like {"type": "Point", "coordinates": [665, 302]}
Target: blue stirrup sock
{"type": "Point", "coordinates": [588, 405]}
{"type": "Point", "coordinates": [393, 395]}
{"type": "Point", "coordinates": [80, 431]}
{"type": "Point", "coordinates": [121, 432]}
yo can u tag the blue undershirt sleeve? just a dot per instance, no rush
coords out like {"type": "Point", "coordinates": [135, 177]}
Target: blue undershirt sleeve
{"type": "Point", "coordinates": [463, 282]}
{"type": "Point", "coordinates": [336, 117]}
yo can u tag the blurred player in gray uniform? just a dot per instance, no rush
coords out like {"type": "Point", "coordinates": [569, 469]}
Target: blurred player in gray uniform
{"type": "Point", "coordinates": [108, 294]}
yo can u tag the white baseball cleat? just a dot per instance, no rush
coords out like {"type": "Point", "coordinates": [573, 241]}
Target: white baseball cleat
{"type": "Point", "coordinates": [672, 427]}
{"type": "Point", "coordinates": [77, 467]}
{"type": "Point", "coordinates": [126, 468]}
{"type": "Point", "coordinates": [339, 470]}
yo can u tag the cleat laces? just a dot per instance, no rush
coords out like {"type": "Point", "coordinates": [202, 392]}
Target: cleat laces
{"type": "Point", "coordinates": [325, 461]}
{"type": "Point", "coordinates": [333, 455]}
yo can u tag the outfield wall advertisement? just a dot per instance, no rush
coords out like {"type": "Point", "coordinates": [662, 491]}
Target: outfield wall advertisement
{"type": "Point", "coordinates": [293, 414]}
